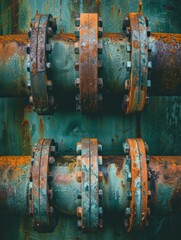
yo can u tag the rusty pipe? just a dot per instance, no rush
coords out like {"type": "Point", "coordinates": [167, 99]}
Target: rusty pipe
{"type": "Point", "coordinates": [165, 57]}
{"type": "Point", "coordinates": [165, 184]}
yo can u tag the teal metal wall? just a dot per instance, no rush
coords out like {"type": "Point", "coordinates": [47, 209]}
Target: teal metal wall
{"type": "Point", "coordinates": [159, 124]}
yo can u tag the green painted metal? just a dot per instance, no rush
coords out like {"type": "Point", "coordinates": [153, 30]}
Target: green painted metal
{"type": "Point", "coordinates": [65, 187]}
{"type": "Point", "coordinates": [164, 15]}
{"type": "Point", "coordinates": [159, 124]}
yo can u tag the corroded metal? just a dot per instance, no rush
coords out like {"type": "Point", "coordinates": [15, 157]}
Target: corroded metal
{"type": "Point", "coordinates": [165, 56]}
{"type": "Point", "coordinates": [88, 63]}
{"type": "Point", "coordinates": [43, 27]}
{"type": "Point", "coordinates": [136, 28]}
{"type": "Point", "coordinates": [90, 212]}
{"type": "Point", "coordinates": [40, 194]}
{"type": "Point", "coordinates": [138, 211]}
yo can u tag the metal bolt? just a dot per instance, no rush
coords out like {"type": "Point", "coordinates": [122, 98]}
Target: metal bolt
{"type": "Point", "coordinates": [50, 176]}
{"type": "Point", "coordinates": [28, 49]}
{"type": "Point", "coordinates": [79, 224]}
{"type": "Point", "coordinates": [100, 192]}
{"type": "Point", "coordinates": [128, 212]}
{"type": "Point", "coordinates": [126, 223]}
{"type": "Point", "coordinates": [100, 22]}
{"type": "Point", "coordinates": [147, 99]}
{"type": "Point", "coordinates": [29, 33]}
{"type": "Point", "coordinates": [79, 148]}
{"type": "Point", "coordinates": [76, 66]}
{"type": "Point", "coordinates": [100, 211]}
{"type": "Point", "coordinates": [50, 194]}
{"type": "Point", "coordinates": [126, 148]}
{"type": "Point", "coordinates": [49, 31]}
{"type": "Point", "coordinates": [51, 160]}
{"type": "Point", "coordinates": [100, 30]}
{"type": "Point", "coordinates": [147, 159]}
{"type": "Point", "coordinates": [77, 33]}
{"type": "Point", "coordinates": [76, 47]}
{"type": "Point", "coordinates": [149, 175]}
{"type": "Point", "coordinates": [48, 65]}
{"type": "Point", "coordinates": [100, 64]}
{"type": "Point", "coordinates": [48, 47]}
{"type": "Point", "coordinates": [149, 64]}
{"type": "Point", "coordinates": [29, 84]}
{"type": "Point", "coordinates": [149, 194]}
{"type": "Point", "coordinates": [100, 48]}
{"type": "Point", "coordinates": [129, 195]}
{"type": "Point", "coordinates": [146, 147]}
{"type": "Point", "coordinates": [99, 160]}
{"type": "Point", "coordinates": [126, 23]}
{"type": "Point", "coordinates": [149, 47]}
{"type": "Point", "coordinates": [128, 47]}
{"type": "Point", "coordinates": [100, 223]}
{"type": "Point", "coordinates": [30, 99]}
{"type": "Point", "coordinates": [148, 32]}
{"type": "Point", "coordinates": [148, 83]}
{"type": "Point", "coordinates": [100, 175]}
{"type": "Point", "coordinates": [79, 160]}
{"type": "Point", "coordinates": [129, 177]}
{"type": "Point", "coordinates": [32, 161]}
{"type": "Point", "coordinates": [127, 84]}
{"type": "Point", "coordinates": [99, 148]}
{"type": "Point", "coordinates": [77, 22]}
{"type": "Point", "coordinates": [128, 64]}
{"type": "Point", "coordinates": [77, 82]}
{"type": "Point", "coordinates": [79, 212]}
{"type": "Point", "coordinates": [28, 66]}
{"type": "Point", "coordinates": [100, 83]}
{"type": "Point", "coordinates": [79, 176]}
{"type": "Point", "coordinates": [51, 210]}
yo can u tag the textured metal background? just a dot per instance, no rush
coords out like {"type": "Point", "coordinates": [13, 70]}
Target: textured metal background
{"type": "Point", "coordinates": [159, 124]}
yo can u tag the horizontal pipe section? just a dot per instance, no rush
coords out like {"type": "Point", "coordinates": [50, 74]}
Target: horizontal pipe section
{"type": "Point", "coordinates": [165, 57]}
{"type": "Point", "coordinates": [165, 184]}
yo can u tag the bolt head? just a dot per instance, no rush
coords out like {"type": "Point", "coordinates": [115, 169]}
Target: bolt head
{"type": "Point", "coordinates": [79, 176]}
{"type": "Point", "coordinates": [79, 212]}
{"type": "Point", "coordinates": [100, 176]}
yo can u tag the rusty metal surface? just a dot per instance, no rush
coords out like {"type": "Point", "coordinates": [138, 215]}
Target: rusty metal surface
{"type": "Point", "coordinates": [138, 211]}
{"type": "Point", "coordinates": [164, 184]}
{"type": "Point", "coordinates": [88, 62]}
{"type": "Point", "coordinates": [40, 195]}
{"type": "Point", "coordinates": [89, 216]}
{"type": "Point", "coordinates": [15, 77]}
{"type": "Point", "coordinates": [42, 28]}
{"type": "Point", "coordinates": [137, 83]}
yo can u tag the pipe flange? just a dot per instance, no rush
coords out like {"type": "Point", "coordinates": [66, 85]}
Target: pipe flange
{"type": "Point", "coordinates": [135, 26]}
{"type": "Point", "coordinates": [137, 212]}
{"type": "Point", "coordinates": [89, 29]}
{"type": "Point", "coordinates": [41, 194]}
{"type": "Point", "coordinates": [42, 28]}
{"type": "Point", "coordinates": [90, 211]}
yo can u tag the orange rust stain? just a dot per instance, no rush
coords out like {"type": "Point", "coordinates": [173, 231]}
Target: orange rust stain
{"type": "Point", "coordinates": [167, 169]}
{"type": "Point", "coordinates": [15, 163]}
{"type": "Point", "coordinates": [135, 44]}
{"type": "Point", "coordinates": [41, 128]}
{"type": "Point", "coordinates": [98, 2]}
{"type": "Point", "coordinates": [167, 38]}
{"type": "Point", "coordinates": [18, 38]}
{"type": "Point", "coordinates": [112, 9]}
{"type": "Point", "coordinates": [65, 37]}
{"type": "Point", "coordinates": [118, 12]}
